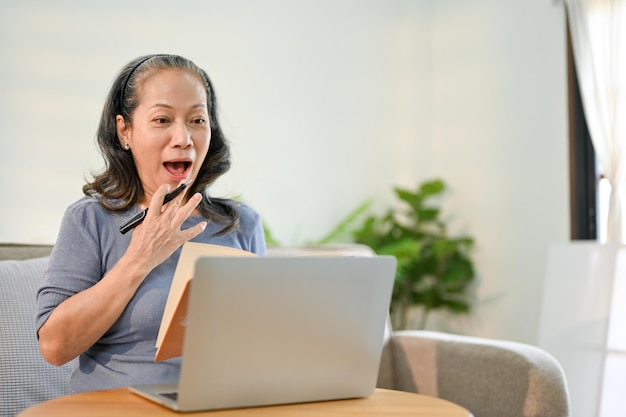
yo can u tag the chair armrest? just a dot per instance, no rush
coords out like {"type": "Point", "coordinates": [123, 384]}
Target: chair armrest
{"type": "Point", "coordinates": [490, 378]}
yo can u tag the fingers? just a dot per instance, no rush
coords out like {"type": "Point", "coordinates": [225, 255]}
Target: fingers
{"type": "Point", "coordinates": [172, 211]}
{"type": "Point", "coordinates": [182, 213]}
{"type": "Point", "coordinates": [156, 202]}
{"type": "Point", "coordinates": [160, 234]}
{"type": "Point", "coordinates": [192, 232]}
{"type": "Point", "coordinates": [169, 217]}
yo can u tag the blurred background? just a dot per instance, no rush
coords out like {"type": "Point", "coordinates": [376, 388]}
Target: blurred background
{"type": "Point", "coordinates": [327, 104]}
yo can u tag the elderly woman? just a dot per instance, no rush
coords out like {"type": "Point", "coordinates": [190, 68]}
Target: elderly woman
{"type": "Point", "coordinates": [104, 291]}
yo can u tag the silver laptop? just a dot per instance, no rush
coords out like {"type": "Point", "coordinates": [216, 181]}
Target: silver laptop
{"type": "Point", "coordinates": [278, 330]}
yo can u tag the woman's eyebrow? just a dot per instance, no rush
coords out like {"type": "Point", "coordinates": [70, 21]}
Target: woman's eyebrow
{"type": "Point", "coordinates": [167, 106]}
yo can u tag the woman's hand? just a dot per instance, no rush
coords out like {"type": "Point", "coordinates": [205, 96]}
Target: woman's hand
{"type": "Point", "coordinates": [160, 234]}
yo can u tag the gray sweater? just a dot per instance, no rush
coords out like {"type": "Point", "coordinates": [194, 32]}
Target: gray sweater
{"type": "Point", "coordinates": [89, 244]}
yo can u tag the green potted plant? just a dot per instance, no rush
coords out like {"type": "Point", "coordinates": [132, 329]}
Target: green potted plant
{"type": "Point", "coordinates": [434, 269]}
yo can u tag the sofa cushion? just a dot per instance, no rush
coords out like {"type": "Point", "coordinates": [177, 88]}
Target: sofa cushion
{"type": "Point", "coordinates": [19, 251]}
{"type": "Point", "coordinates": [25, 377]}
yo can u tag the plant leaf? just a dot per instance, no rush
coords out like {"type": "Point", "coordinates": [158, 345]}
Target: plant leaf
{"type": "Point", "coordinates": [431, 188]}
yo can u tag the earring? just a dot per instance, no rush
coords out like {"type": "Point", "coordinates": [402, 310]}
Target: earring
{"type": "Point", "coordinates": [126, 146]}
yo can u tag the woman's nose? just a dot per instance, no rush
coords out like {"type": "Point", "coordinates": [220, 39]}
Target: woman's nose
{"type": "Point", "coordinates": [182, 136]}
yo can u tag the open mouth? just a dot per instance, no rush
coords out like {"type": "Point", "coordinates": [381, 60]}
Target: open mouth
{"type": "Point", "coordinates": [177, 168]}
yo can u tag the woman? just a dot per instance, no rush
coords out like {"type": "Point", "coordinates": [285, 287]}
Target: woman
{"type": "Point", "coordinates": [104, 292]}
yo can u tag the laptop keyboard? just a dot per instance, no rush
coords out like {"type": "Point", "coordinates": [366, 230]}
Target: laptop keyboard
{"type": "Point", "coordinates": [170, 395]}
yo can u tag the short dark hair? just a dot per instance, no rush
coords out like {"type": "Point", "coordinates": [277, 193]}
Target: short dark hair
{"type": "Point", "coordinates": [118, 186]}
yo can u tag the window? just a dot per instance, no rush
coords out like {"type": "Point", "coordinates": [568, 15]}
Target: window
{"type": "Point", "coordinates": [583, 168]}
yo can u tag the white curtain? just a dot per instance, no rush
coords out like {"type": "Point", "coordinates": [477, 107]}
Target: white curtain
{"type": "Point", "coordinates": [598, 29]}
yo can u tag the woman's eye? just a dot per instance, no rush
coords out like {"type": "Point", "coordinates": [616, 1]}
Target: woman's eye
{"type": "Point", "coordinates": [161, 120]}
{"type": "Point", "coordinates": [199, 121]}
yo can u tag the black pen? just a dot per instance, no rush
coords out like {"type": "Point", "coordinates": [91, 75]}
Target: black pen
{"type": "Point", "coordinates": [138, 218]}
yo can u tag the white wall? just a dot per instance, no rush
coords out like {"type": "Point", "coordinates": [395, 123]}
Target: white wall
{"type": "Point", "coordinates": [500, 139]}
{"type": "Point", "coordinates": [327, 104]}
{"type": "Point", "coordinates": [314, 96]}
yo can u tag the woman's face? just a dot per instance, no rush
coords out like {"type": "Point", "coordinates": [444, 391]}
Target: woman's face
{"type": "Point", "coordinates": [170, 133]}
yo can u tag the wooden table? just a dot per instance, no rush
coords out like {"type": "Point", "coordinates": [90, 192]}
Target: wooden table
{"type": "Point", "coordinates": [121, 402]}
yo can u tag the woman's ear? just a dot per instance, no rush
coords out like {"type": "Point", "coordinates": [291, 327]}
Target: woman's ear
{"type": "Point", "coordinates": [123, 131]}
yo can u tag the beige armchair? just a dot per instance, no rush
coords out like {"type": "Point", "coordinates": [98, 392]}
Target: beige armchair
{"type": "Point", "coordinates": [488, 377]}
{"type": "Point", "coordinates": [491, 378]}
